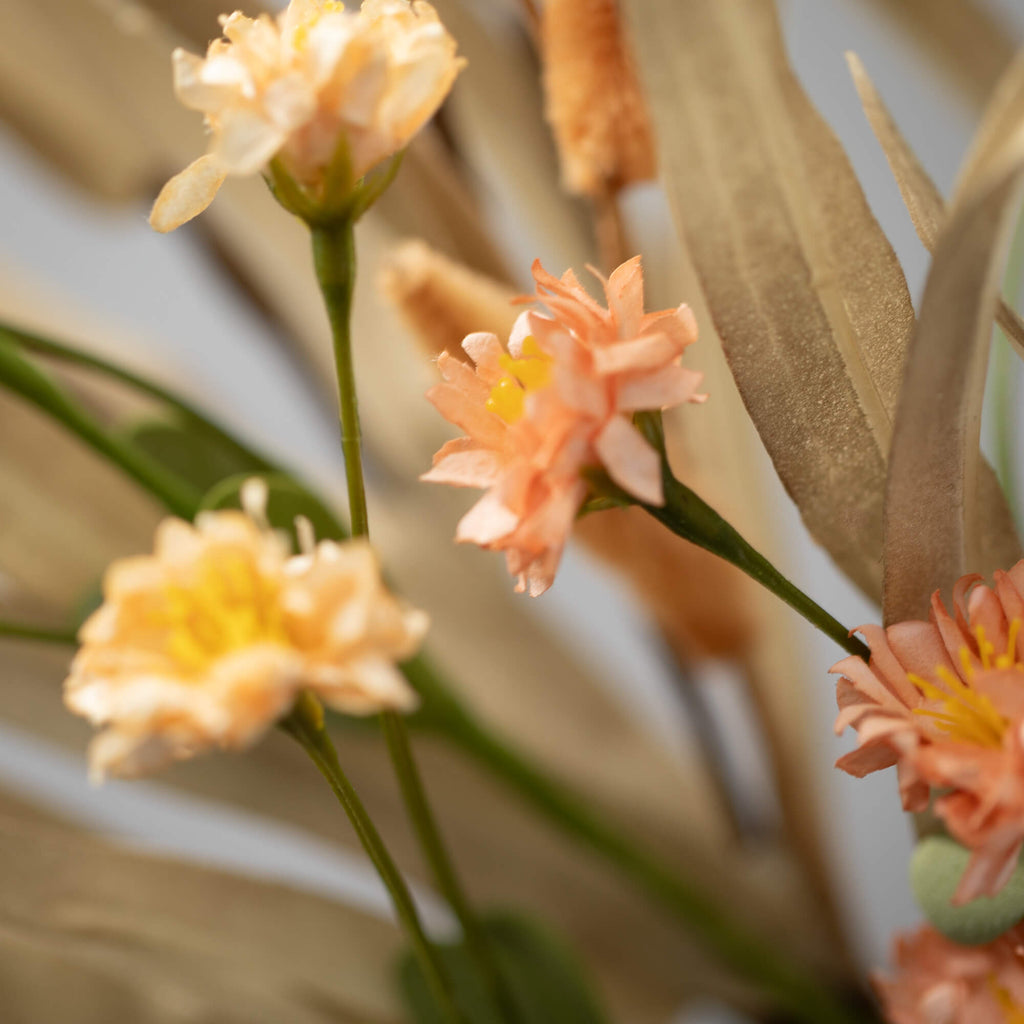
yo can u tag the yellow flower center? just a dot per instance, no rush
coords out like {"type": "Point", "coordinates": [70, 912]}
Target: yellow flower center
{"type": "Point", "coordinates": [532, 370]}
{"type": "Point", "coordinates": [228, 606]}
{"type": "Point", "coordinates": [964, 713]}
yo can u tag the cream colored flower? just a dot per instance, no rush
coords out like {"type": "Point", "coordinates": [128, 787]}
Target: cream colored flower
{"type": "Point", "coordinates": [208, 641]}
{"type": "Point", "coordinates": [298, 88]}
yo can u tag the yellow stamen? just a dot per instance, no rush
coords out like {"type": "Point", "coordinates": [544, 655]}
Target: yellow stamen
{"type": "Point", "coordinates": [532, 370]}
{"type": "Point", "coordinates": [963, 713]}
{"type": "Point", "coordinates": [228, 607]}
{"type": "Point", "coordinates": [1009, 659]}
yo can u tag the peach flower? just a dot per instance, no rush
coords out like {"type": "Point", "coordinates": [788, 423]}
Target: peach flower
{"type": "Point", "coordinates": [939, 982]}
{"type": "Point", "coordinates": [207, 642]}
{"type": "Point", "coordinates": [296, 87]}
{"type": "Point", "coordinates": [559, 400]}
{"type": "Point", "coordinates": [944, 701]}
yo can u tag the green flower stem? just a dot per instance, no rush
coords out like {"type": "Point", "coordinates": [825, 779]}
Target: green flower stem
{"type": "Point", "coordinates": [306, 725]}
{"type": "Point", "coordinates": [793, 988]}
{"type": "Point", "coordinates": [334, 256]}
{"type": "Point", "coordinates": [25, 379]}
{"type": "Point", "coordinates": [18, 631]}
{"type": "Point", "coordinates": [691, 518]}
{"type": "Point", "coordinates": [441, 866]}
{"type": "Point", "coordinates": [335, 260]}
{"type": "Point", "coordinates": [35, 343]}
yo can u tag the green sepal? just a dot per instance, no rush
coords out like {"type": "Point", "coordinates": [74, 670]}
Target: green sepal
{"type": "Point", "coordinates": [936, 867]}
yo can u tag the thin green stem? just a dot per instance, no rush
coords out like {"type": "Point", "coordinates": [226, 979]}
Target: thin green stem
{"type": "Point", "coordinates": [25, 379]}
{"type": "Point", "coordinates": [808, 999]}
{"type": "Point", "coordinates": [334, 256]}
{"type": "Point", "coordinates": [305, 724]}
{"type": "Point", "coordinates": [691, 518]}
{"type": "Point", "coordinates": [18, 631]}
{"type": "Point", "coordinates": [335, 260]}
{"type": "Point", "coordinates": [191, 414]}
{"type": "Point", "coordinates": [441, 865]}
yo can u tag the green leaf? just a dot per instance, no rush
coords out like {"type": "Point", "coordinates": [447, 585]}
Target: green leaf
{"type": "Point", "coordinates": [286, 499]}
{"type": "Point", "coordinates": [548, 986]}
{"type": "Point", "coordinates": [936, 868]}
{"type": "Point", "coordinates": [197, 455]}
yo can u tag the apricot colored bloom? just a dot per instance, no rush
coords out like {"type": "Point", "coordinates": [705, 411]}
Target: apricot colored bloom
{"type": "Point", "coordinates": [208, 641]}
{"type": "Point", "coordinates": [939, 982]}
{"type": "Point", "coordinates": [944, 701]}
{"type": "Point", "coordinates": [296, 87]}
{"type": "Point", "coordinates": [557, 401]}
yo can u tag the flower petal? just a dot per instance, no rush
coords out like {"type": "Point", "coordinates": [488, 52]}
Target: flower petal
{"type": "Point", "coordinates": [187, 194]}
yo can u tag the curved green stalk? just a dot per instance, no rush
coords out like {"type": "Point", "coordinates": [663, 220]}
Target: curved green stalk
{"type": "Point", "coordinates": [28, 381]}
{"type": "Point", "coordinates": [306, 725]}
{"type": "Point", "coordinates": [42, 634]}
{"type": "Point", "coordinates": [188, 412]}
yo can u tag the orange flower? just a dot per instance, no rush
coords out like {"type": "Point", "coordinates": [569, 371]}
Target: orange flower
{"type": "Point", "coordinates": [944, 701]}
{"type": "Point", "coordinates": [939, 982]}
{"type": "Point", "coordinates": [207, 642]}
{"type": "Point", "coordinates": [296, 87]}
{"type": "Point", "coordinates": [557, 401]}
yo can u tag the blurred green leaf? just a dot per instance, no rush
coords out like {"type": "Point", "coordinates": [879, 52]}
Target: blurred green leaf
{"type": "Point", "coordinates": [936, 868]}
{"type": "Point", "coordinates": [197, 455]}
{"type": "Point", "coordinates": [547, 984]}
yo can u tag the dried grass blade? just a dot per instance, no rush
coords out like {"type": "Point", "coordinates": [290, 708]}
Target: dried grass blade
{"type": "Point", "coordinates": [923, 200]}
{"type": "Point", "coordinates": [936, 514]}
{"type": "Point", "coordinates": [804, 289]}
{"type": "Point", "coordinates": [144, 929]}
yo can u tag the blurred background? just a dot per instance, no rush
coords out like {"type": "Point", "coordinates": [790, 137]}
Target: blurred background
{"type": "Point", "coordinates": [79, 259]}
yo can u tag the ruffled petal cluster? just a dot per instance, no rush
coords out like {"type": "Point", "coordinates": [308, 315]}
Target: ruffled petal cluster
{"type": "Point", "coordinates": [297, 88]}
{"type": "Point", "coordinates": [944, 701]}
{"type": "Point", "coordinates": [208, 641]}
{"type": "Point", "coordinates": [558, 400]}
{"type": "Point", "coordinates": [939, 982]}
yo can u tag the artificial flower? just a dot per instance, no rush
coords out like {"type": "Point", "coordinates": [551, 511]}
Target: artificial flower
{"type": "Point", "coordinates": [209, 640]}
{"type": "Point", "coordinates": [557, 401]}
{"type": "Point", "coordinates": [939, 982]}
{"type": "Point", "coordinates": [944, 701]}
{"type": "Point", "coordinates": [316, 80]}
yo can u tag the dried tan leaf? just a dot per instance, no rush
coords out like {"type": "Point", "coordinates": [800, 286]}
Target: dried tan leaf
{"type": "Point", "coordinates": [157, 938]}
{"type": "Point", "coordinates": [936, 511]}
{"type": "Point", "coordinates": [806, 293]}
{"type": "Point", "coordinates": [921, 195]}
